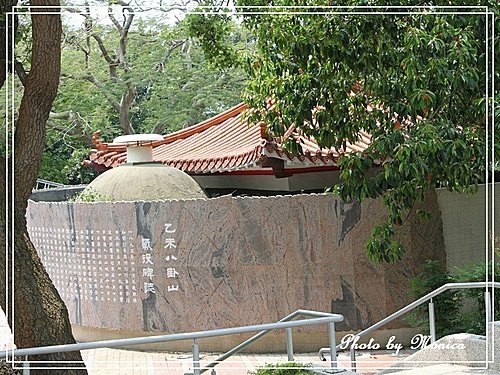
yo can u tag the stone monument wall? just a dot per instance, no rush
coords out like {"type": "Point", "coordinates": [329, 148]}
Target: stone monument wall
{"type": "Point", "coordinates": [189, 265]}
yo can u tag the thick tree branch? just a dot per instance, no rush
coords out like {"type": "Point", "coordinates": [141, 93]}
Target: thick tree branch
{"type": "Point", "coordinates": [174, 44]}
{"type": "Point", "coordinates": [113, 19]}
{"type": "Point", "coordinates": [158, 129]}
{"type": "Point", "coordinates": [109, 97]}
{"type": "Point", "coordinates": [76, 129]}
{"type": "Point", "coordinates": [21, 72]}
{"type": "Point", "coordinates": [125, 103]}
{"type": "Point", "coordinates": [113, 63]}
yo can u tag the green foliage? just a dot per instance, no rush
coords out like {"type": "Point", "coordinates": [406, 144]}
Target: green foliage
{"type": "Point", "coordinates": [74, 171]}
{"type": "Point", "coordinates": [473, 317]}
{"type": "Point", "coordinates": [174, 87]}
{"type": "Point", "coordinates": [446, 306]}
{"type": "Point", "coordinates": [216, 41]}
{"type": "Point", "coordinates": [381, 246]}
{"type": "Point", "coordinates": [455, 311]}
{"type": "Point", "coordinates": [61, 163]}
{"type": "Point", "coordinates": [289, 368]}
{"type": "Point", "coordinates": [184, 89]}
{"type": "Point", "coordinates": [89, 195]}
{"type": "Point", "coordinates": [6, 368]}
{"type": "Point", "coordinates": [415, 82]}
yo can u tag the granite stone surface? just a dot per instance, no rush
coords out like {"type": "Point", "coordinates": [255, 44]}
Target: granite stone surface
{"type": "Point", "coordinates": [188, 265]}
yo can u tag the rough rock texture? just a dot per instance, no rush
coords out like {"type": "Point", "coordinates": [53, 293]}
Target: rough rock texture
{"type": "Point", "coordinates": [230, 262]}
{"type": "Point", "coordinates": [468, 350]}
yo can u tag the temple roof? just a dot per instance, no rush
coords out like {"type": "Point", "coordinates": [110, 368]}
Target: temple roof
{"type": "Point", "coordinates": [224, 143]}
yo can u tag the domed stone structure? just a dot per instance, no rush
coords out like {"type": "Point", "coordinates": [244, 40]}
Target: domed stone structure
{"type": "Point", "coordinates": [145, 182]}
{"type": "Point", "coordinates": [142, 179]}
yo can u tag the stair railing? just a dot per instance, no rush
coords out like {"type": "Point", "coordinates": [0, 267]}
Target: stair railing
{"type": "Point", "coordinates": [289, 341]}
{"type": "Point", "coordinates": [318, 318]}
{"type": "Point", "coordinates": [411, 306]}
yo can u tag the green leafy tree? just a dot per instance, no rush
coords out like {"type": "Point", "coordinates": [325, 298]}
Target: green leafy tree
{"type": "Point", "coordinates": [41, 317]}
{"type": "Point", "coordinates": [415, 82]}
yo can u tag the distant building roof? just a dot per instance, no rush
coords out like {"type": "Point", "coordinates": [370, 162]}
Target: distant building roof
{"type": "Point", "coordinates": [226, 143]}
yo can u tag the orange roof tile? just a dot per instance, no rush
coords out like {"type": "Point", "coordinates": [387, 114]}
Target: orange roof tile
{"type": "Point", "coordinates": [224, 143]}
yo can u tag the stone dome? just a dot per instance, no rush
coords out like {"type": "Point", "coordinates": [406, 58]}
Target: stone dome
{"type": "Point", "coordinates": [145, 181]}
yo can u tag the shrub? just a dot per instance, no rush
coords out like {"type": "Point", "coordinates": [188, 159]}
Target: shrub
{"type": "Point", "coordinates": [90, 195]}
{"type": "Point", "coordinates": [455, 310]}
{"type": "Point", "coordinates": [446, 305]}
{"type": "Point", "coordinates": [288, 368]}
{"type": "Point", "coordinates": [474, 315]}
{"type": "Point", "coordinates": [7, 368]}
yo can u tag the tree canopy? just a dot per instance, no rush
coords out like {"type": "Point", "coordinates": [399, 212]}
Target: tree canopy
{"type": "Point", "coordinates": [152, 78]}
{"type": "Point", "coordinates": [416, 81]}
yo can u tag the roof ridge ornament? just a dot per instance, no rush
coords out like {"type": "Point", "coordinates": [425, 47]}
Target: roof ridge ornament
{"type": "Point", "coordinates": [99, 145]}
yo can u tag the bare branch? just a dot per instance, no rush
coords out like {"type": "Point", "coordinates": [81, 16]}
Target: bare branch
{"type": "Point", "coordinates": [128, 21]}
{"type": "Point", "coordinates": [124, 34]}
{"type": "Point", "coordinates": [123, 4]}
{"type": "Point", "coordinates": [113, 19]}
{"type": "Point", "coordinates": [60, 115]}
{"type": "Point", "coordinates": [103, 49]}
{"type": "Point", "coordinates": [87, 139]}
{"type": "Point", "coordinates": [88, 30]}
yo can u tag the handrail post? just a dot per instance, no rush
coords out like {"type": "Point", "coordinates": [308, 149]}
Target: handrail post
{"type": "Point", "coordinates": [196, 358]}
{"type": "Point", "coordinates": [487, 306]}
{"type": "Point", "coordinates": [289, 344]}
{"type": "Point", "coordinates": [26, 366]}
{"type": "Point", "coordinates": [333, 345]}
{"type": "Point", "coordinates": [353, 358]}
{"type": "Point", "coordinates": [432, 322]}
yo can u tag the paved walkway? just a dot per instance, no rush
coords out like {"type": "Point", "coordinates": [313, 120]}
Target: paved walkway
{"type": "Point", "coordinates": [121, 362]}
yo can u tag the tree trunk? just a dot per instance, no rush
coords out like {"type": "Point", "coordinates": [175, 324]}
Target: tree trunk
{"type": "Point", "coordinates": [40, 317]}
{"type": "Point", "coordinates": [5, 6]}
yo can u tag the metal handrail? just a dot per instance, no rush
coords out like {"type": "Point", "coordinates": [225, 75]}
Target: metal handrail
{"type": "Point", "coordinates": [330, 320]}
{"type": "Point", "coordinates": [411, 306]}
{"type": "Point", "coordinates": [261, 334]}
{"type": "Point", "coordinates": [46, 184]}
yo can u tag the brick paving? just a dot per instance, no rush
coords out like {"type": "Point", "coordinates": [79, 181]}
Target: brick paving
{"type": "Point", "coordinates": [125, 362]}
